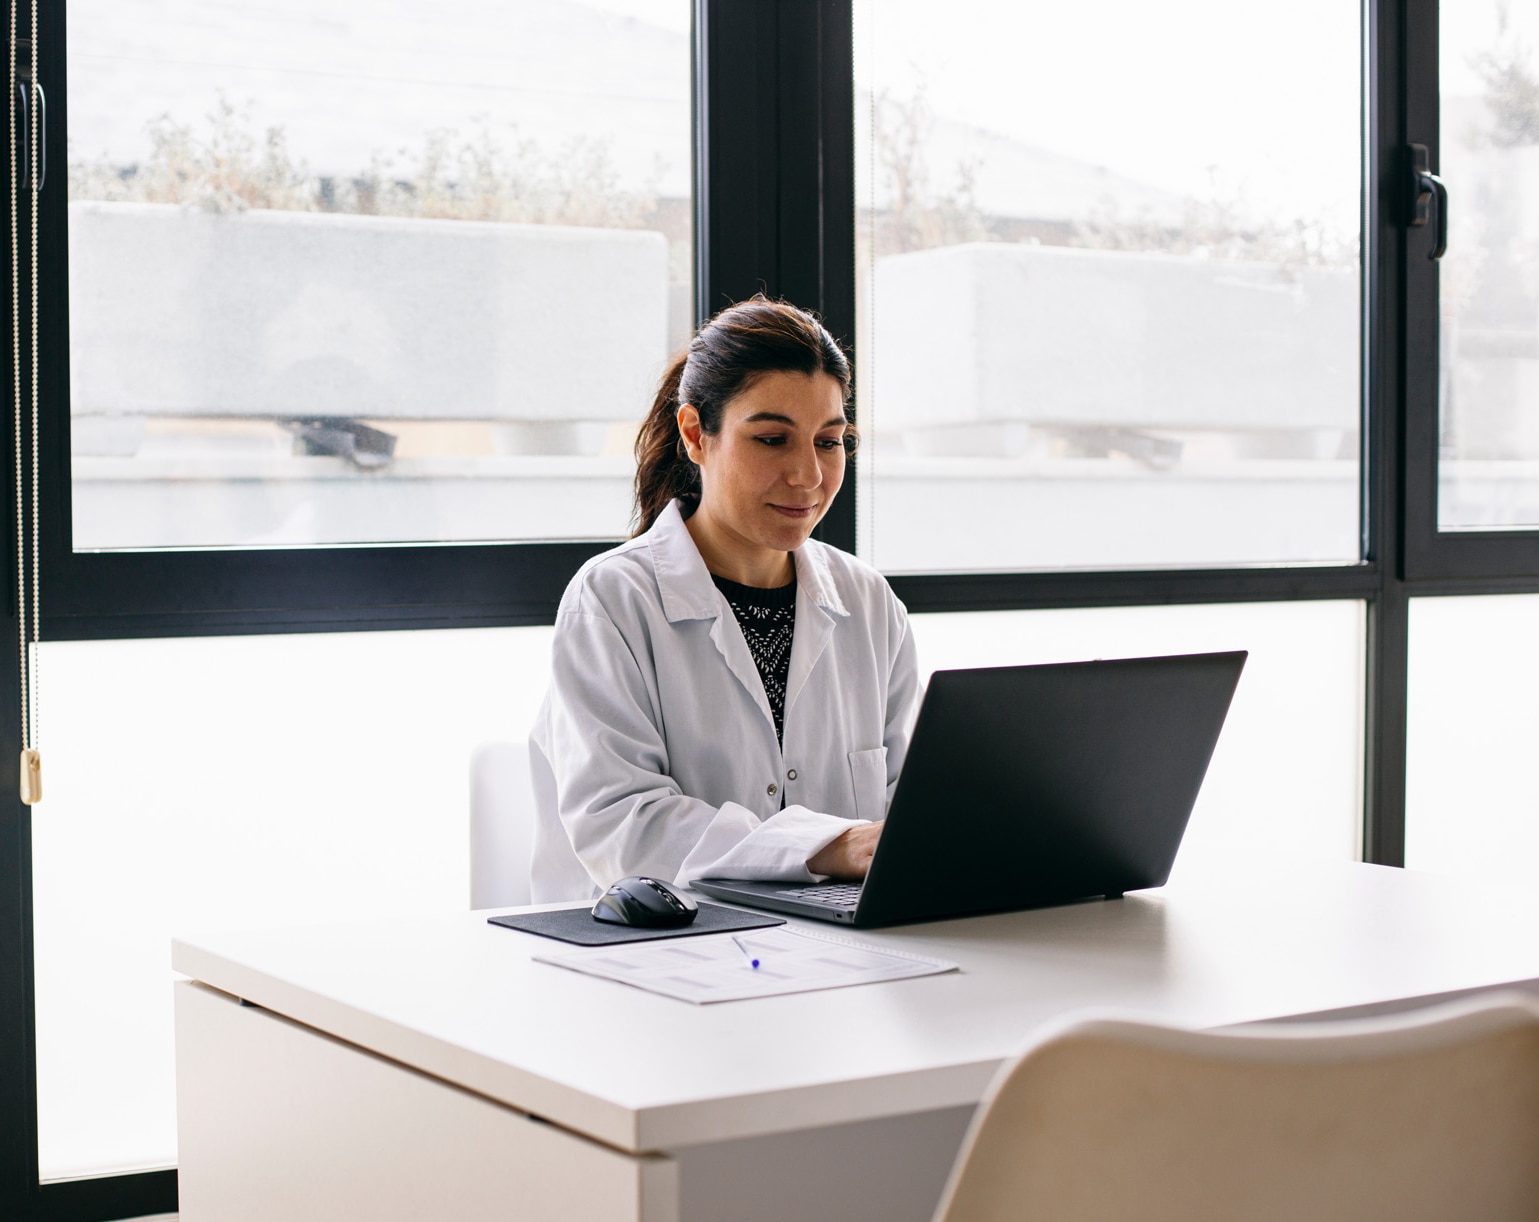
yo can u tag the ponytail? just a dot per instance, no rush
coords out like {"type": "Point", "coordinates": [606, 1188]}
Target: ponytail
{"type": "Point", "coordinates": [725, 357]}
{"type": "Point", "coordinates": [663, 471]}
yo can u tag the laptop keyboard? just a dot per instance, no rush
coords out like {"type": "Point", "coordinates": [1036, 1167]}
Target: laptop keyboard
{"type": "Point", "coordinates": [834, 895]}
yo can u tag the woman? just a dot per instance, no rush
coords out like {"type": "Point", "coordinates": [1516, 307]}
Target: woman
{"type": "Point", "coordinates": [728, 697]}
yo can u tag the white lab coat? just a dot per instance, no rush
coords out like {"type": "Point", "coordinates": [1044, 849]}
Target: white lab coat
{"type": "Point", "coordinates": [655, 751]}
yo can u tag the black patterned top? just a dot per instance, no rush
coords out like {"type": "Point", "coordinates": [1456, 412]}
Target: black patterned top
{"type": "Point", "coordinates": [768, 620]}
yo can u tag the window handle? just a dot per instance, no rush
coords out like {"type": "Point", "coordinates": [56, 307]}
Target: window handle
{"type": "Point", "coordinates": [1424, 186]}
{"type": "Point", "coordinates": [24, 156]}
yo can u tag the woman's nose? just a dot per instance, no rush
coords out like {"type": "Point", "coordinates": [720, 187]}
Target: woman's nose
{"type": "Point", "coordinates": [805, 470]}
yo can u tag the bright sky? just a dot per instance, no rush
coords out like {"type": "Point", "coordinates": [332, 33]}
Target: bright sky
{"type": "Point", "coordinates": [1469, 27]}
{"type": "Point", "coordinates": [1259, 103]}
{"type": "Point", "coordinates": [1256, 105]}
{"type": "Point", "coordinates": [348, 79]}
{"type": "Point", "coordinates": [669, 14]}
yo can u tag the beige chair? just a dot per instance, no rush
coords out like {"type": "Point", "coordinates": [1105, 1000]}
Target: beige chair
{"type": "Point", "coordinates": [1430, 1115]}
{"type": "Point", "coordinates": [501, 825]}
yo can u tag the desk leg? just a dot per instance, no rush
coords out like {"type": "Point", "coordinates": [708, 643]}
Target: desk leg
{"type": "Point", "coordinates": [277, 1122]}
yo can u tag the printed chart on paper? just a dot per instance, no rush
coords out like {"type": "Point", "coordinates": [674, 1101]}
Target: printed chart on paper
{"type": "Point", "coordinates": [720, 968]}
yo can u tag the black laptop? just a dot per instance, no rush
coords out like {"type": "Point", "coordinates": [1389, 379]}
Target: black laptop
{"type": "Point", "coordinates": [1031, 785]}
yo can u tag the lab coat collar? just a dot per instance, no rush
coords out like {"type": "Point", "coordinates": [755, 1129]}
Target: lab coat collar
{"type": "Point", "coordinates": [814, 576]}
{"type": "Point", "coordinates": [685, 584]}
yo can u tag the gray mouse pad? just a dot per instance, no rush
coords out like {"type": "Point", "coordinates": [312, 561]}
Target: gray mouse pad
{"type": "Point", "coordinates": [577, 925]}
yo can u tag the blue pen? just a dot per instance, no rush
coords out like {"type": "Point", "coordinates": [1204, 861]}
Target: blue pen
{"type": "Point", "coordinates": [747, 954]}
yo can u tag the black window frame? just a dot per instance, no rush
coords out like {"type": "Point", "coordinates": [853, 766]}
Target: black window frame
{"type": "Point", "coordinates": [1466, 561]}
{"type": "Point", "coordinates": [772, 133]}
{"type": "Point", "coordinates": [774, 173]}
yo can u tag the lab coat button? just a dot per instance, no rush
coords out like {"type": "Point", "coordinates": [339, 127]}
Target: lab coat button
{"type": "Point", "coordinates": [773, 790]}
{"type": "Point", "coordinates": [791, 776]}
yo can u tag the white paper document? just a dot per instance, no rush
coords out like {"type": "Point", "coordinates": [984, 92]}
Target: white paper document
{"type": "Point", "coordinates": [720, 967]}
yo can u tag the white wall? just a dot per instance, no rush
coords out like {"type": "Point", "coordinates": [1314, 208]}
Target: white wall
{"type": "Point", "coordinates": [987, 331]}
{"type": "Point", "coordinates": [177, 312]}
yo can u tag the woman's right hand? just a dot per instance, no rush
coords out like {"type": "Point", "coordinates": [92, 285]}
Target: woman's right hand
{"type": "Point", "coordinates": [848, 855]}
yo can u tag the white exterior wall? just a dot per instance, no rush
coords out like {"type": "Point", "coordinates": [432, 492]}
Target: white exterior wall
{"type": "Point", "coordinates": [177, 312]}
{"type": "Point", "coordinates": [988, 332]}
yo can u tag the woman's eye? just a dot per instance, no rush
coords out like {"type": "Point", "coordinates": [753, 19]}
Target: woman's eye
{"type": "Point", "coordinates": [830, 443]}
{"type": "Point", "coordinates": [771, 439]}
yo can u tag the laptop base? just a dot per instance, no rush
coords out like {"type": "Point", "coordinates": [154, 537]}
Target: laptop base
{"type": "Point", "coordinates": [782, 897]}
{"type": "Point", "coordinates": [774, 897]}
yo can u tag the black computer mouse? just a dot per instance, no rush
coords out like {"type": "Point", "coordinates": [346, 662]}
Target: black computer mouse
{"type": "Point", "coordinates": [644, 903]}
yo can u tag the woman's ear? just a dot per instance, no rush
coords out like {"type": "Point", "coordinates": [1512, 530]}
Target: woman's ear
{"type": "Point", "coordinates": [691, 433]}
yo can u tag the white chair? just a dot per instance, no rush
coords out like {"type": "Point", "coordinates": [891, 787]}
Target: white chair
{"type": "Point", "coordinates": [1431, 1115]}
{"type": "Point", "coordinates": [501, 825]}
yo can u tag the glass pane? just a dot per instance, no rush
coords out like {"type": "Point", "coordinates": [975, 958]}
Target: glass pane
{"type": "Point", "coordinates": [1109, 308]}
{"type": "Point", "coordinates": [350, 272]}
{"type": "Point", "coordinates": [1471, 803]}
{"type": "Point", "coordinates": [1488, 470]}
{"type": "Point", "coordinates": [330, 783]}
{"type": "Point", "coordinates": [1285, 780]}
{"type": "Point", "coordinates": [294, 805]}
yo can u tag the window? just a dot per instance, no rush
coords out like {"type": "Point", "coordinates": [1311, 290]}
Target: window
{"type": "Point", "coordinates": [1470, 804]}
{"type": "Point", "coordinates": [1109, 293]}
{"type": "Point", "coordinates": [370, 273]}
{"type": "Point", "coordinates": [1470, 453]}
{"type": "Point", "coordinates": [1488, 442]}
{"type": "Point", "coordinates": [1295, 719]}
{"type": "Point", "coordinates": [1291, 469]}
{"type": "Point", "coordinates": [332, 785]}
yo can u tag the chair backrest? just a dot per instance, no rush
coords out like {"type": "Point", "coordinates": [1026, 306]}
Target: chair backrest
{"type": "Point", "coordinates": [501, 825]}
{"type": "Point", "coordinates": [1431, 1115]}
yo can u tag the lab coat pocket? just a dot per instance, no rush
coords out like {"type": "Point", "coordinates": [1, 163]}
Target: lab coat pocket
{"type": "Point", "coordinates": [868, 774]}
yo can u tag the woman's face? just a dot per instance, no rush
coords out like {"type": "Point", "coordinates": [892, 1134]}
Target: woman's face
{"type": "Point", "coordinates": [769, 475]}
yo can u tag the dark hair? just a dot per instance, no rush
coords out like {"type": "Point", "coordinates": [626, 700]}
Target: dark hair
{"type": "Point", "coordinates": [727, 356]}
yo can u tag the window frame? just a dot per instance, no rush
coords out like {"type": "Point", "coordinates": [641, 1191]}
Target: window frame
{"type": "Point", "coordinates": [1504, 560]}
{"type": "Point", "coordinates": [760, 229]}
{"type": "Point", "coordinates": [774, 176]}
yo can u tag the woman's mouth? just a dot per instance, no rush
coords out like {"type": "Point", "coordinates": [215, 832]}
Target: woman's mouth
{"type": "Point", "coordinates": [795, 512]}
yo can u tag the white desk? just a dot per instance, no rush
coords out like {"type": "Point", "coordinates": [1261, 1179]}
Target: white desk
{"type": "Point", "coordinates": [429, 1068]}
